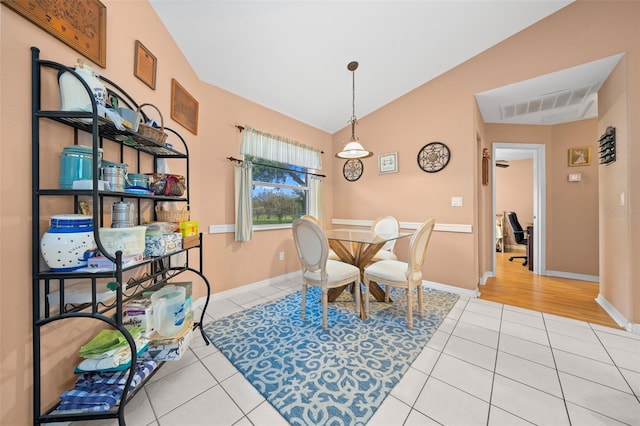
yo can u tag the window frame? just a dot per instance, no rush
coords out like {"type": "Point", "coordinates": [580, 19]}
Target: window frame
{"type": "Point", "coordinates": [306, 188]}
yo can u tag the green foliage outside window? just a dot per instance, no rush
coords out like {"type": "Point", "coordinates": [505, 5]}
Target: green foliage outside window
{"type": "Point", "coordinates": [279, 195]}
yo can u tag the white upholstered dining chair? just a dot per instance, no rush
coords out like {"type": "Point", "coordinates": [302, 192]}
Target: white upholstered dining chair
{"type": "Point", "coordinates": [332, 254]}
{"type": "Point", "coordinates": [386, 226]}
{"type": "Point", "coordinates": [407, 275]}
{"type": "Point", "coordinates": [317, 269]}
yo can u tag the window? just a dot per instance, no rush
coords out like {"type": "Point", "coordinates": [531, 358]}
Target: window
{"type": "Point", "coordinates": [279, 192]}
{"type": "Point", "coordinates": [277, 188]}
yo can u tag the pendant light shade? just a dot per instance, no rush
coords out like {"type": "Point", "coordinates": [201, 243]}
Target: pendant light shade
{"type": "Point", "coordinates": [353, 148]}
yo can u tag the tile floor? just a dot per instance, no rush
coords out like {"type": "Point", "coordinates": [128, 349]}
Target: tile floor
{"type": "Point", "coordinates": [488, 364]}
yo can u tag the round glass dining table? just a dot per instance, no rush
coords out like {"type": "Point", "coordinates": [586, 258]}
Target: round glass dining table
{"type": "Point", "coordinates": [357, 247]}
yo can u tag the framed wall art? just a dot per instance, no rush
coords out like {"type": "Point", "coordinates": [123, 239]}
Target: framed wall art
{"type": "Point", "coordinates": [145, 65]}
{"type": "Point", "coordinates": [184, 107]}
{"type": "Point", "coordinates": [580, 156]}
{"type": "Point", "coordinates": [388, 163]}
{"type": "Point", "coordinates": [80, 24]}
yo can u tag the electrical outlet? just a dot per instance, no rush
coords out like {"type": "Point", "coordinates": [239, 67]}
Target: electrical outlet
{"type": "Point", "coordinates": [281, 255]}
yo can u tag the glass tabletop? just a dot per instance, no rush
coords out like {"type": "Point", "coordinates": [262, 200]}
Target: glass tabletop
{"type": "Point", "coordinates": [362, 236]}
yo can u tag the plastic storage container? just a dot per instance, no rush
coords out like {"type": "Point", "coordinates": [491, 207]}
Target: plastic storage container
{"type": "Point", "coordinates": [168, 309]}
{"type": "Point", "coordinates": [189, 228]}
{"type": "Point", "coordinates": [128, 240]}
{"type": "Point", "coordinates": [68, 242]}
{"type": "Point", "coordinates": [137, 179]}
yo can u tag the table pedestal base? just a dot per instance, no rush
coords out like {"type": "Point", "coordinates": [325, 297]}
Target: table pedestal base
{"type": "Point", "coordinates": [361, 258]}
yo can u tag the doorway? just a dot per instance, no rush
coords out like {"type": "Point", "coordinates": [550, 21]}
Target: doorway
{"type": "Point", "coordinates": [536, 152]}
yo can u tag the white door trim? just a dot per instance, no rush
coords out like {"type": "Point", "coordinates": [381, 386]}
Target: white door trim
{"type": "Point", "coordinates": [537, 153]}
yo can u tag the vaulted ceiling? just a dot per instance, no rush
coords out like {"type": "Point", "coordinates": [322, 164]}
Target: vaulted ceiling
{"type": "Point", "coordinates": [292, 56]}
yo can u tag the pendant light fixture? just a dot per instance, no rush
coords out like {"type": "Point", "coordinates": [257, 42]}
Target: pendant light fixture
{"type": "Point", "coordinates": [353, 148]}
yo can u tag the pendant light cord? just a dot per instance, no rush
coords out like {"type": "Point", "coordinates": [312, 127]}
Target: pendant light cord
{"type": "Point", "coordinates": [353, 66]}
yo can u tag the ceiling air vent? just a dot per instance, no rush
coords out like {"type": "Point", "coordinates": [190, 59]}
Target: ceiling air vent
{"type": "Point", "coordinates": [559, 99]}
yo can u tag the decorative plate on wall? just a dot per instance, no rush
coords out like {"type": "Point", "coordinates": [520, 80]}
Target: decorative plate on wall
{"type": "Point", "coordinates": [352, 170]}
{"type": "Point", "coordinates": [433, 157]}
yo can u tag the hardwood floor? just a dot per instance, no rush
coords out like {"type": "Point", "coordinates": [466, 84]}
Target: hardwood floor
{"type": "Point", "coordinates": [515, 285]}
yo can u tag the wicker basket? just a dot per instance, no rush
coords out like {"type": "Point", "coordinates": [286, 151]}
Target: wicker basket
{"type": "Point", "coordinates": [149, 132]}
{"type": "Point", "coordinates": [172, 215]}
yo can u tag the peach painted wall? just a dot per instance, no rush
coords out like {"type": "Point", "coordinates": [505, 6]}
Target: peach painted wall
{"type": "Point", "coordinates": [438, 111]}
{"type": "Point", "coordinates": [567, 251]}
{"type": "Point", "coordinates": [514, 192]}
{"type": "Point", "coordinates": [573, 205]}
{"type": "Point", "coordinates": [442, 110]}
{"type": "Point", "coordinates": [617, 221]}
{"type": "Point", "coordinates": [225, 262]}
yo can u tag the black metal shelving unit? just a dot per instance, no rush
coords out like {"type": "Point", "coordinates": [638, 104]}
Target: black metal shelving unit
{"type": "Point", "coordinates": [155, 271]}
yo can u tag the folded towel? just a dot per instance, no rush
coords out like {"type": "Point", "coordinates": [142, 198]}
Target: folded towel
{"type": "Point", "coordinates": [117, 362]}
{"type": "Point", "coordinates": [102, 391]}
{"type": "Point", "coordinates": [107, 340]}
{"type": "Point", "coordinates": [88, 381]}
{"type": "Point", "coordinates": [88, 401]}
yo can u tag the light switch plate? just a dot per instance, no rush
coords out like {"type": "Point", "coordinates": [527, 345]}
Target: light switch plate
{"type": "Point", "coordinates": [456, 201]}
{"type": "Point", "coordinates": [574, 177]}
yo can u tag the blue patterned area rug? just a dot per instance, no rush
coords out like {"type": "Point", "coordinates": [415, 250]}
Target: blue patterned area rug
{"type": "Point", "coordinates": [335, 377]}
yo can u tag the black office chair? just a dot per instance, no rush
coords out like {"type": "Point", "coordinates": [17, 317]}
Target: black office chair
{"type": "Point", "coordinates": [518, 235]}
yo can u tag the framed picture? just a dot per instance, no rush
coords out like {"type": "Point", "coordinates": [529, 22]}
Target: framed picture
{"type": "Point", "coordinates": [388, 163]}
{"type": "Point", "coordinates": [184, 107]}
{"type": "Point", "coordinates": [81, 25]}
{"type": "Point", "coordinates": [580, 156]}
{"type": "Point", "coordinates": [144, 65]}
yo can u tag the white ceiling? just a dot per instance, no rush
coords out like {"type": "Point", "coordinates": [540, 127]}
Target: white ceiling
{"type": "Point", "coordinates": [291, 56]}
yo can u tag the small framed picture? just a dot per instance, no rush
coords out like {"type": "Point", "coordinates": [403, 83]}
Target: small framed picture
{"type": "Point", "coordinates": [388, 163]}
{"type": "Point", "coordinates": [144, 65]}
{"type": "Point", "coordinates": [580, 156]}
{"type": "Point", "coordinates": [184, 107]}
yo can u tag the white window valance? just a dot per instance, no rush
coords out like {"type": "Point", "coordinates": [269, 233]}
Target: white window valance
{"type": "Point", "coordinates": [277, 148]}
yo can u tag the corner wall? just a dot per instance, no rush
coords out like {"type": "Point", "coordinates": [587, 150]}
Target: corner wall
{"type": "Point", "coordinates": [617, 219]}
{"type": "Point", "coordinates": [227, 264]}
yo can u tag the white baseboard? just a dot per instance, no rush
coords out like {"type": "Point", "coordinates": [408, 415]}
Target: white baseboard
{"type": "Point", "coordinates": [486, 276]}
{"type": "Point", "coordinates": [617, 316]}
{"type": "Point", "coordinates": [451, 289]}
{"type": "Point", "coordinates": [199, 303]}
{"type": "Point", "coordinates": [247, 287]}
{"type": "Point", "coordinates": [572, 276]}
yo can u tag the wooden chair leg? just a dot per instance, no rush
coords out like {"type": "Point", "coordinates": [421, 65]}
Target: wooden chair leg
{"type": "Point", "coordinates": [357, 294]}
{"type": "Point", "coordinates": [366, 298]}
{"type": "Point", "coordinates": [409, 308]}
{"type": "Point", "coordinates": [325, 304]}
{"type": "Point", "coordinates": [304, 301]}
{"type": "Point", "coordinates": [420, 300]}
